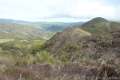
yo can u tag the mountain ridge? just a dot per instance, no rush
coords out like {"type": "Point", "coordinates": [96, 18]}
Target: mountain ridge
{"type": "Point", "coordinates": [44, 26]}
{"type": "Point", "coordinates": [72, 46]}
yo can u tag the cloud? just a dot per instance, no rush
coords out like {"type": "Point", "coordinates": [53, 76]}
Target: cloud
{"type": "Point", "coordinates": [39, 9]}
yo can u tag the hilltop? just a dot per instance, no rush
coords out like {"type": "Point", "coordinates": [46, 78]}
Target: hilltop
{"type": "Point", "coordinates": [100, 26]}
{"type": "Point", "coordinates": [95, 39]}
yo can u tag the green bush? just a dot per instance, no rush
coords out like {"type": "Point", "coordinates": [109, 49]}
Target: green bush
{"type": "Point", "coordinates": [45, 57]}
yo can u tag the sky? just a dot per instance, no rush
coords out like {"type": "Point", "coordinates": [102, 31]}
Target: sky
{"type": "Point", "coordinates": [59, 10]}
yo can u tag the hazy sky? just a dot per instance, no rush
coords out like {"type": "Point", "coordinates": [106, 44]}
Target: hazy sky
{"type": "Point", "coordinates": [60, 10]}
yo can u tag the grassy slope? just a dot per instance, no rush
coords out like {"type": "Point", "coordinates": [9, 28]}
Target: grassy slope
{"type": "Point", "coordinates": [72, 41]}
{"type": "Point", "coordinates": [70, 45]}
{"type": "Point", "coordinates": [18, 31]}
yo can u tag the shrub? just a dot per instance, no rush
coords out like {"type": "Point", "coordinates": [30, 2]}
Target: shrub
{"type": "Point", "coordinates": [45, 57]}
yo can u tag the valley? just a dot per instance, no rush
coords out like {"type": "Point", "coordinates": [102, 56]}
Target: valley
{"type": "Point", "coordinates": [60, 51]}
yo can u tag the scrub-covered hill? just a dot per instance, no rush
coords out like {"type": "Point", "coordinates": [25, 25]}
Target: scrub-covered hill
{"type": "Point", "coordinates": [95, 40]}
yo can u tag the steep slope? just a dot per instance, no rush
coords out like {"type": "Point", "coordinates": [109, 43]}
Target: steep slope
{"type": "Point", "coordinates": [66, 42]}
{"type": "Point", "coordinates": [89, 43]}
{"type": "Point", "coordinates": [68, 36]}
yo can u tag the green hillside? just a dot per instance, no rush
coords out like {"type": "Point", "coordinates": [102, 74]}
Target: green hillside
{"type": "Point", "coordinates": [20, 31]}
{"type": "Point", "coordinates": [91, 50]}
{"type": "Point", "coordinates": [92, 41]}
{"type": "Point", "coordinates": [101, 26]}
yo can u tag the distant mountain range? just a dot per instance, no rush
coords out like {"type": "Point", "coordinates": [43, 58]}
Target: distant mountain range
{"type": "Point", "coordinates": [24, 29]}
{"type": "Point", "coordinates": [45, 26]}
{"type": "Point", "coordinates": [11, 21]}
{"type": "Point", "coordinates": [55, 26]}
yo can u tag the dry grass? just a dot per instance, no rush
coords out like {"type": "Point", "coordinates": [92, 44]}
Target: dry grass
{"type": "Point", "coordinates": [60, 72]}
